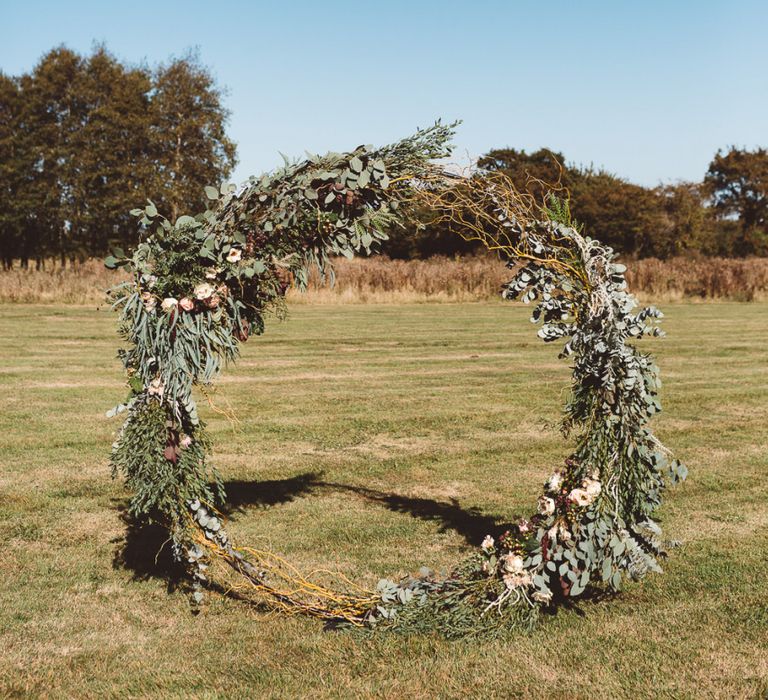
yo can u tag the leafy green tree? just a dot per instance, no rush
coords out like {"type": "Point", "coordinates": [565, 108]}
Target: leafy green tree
{"type": "Point", "coordinates": [688, 224]}
{"type": "Point", "coordinates": [13, 164]}
{"type": "Point", "coordinates": [189, 141]}
{"type": "Point", "coordinates": [632, 219]}
{"type": "Point", "coordinates": [737, 181]}
{"type": "Point", "coordinates": [537, 173]}
{"type": "Point", "coordinates": [110, 151]}
{"type": "Point", "coordinates": [626, 216]}
{"type": "Point", "coordinates": [51, 110]}
{"type": "Point", "coordinates": [82, 139]}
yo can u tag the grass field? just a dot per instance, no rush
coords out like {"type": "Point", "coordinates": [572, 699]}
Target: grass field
{"type": "Point", "coordinates": [375, 439]}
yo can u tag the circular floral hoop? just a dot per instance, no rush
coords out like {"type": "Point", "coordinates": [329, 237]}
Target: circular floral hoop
{"type": "Point", "coordinates": [201, 286]}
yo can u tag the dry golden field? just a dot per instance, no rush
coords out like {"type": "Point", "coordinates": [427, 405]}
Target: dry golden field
{"type": "Point", "coordinates": [381, 280]}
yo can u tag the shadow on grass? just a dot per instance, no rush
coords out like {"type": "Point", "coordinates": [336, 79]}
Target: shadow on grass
{"type": "Point", "coordinates": [145, 549]}
{"type": "Point", "coordinates": [472, 524]}
{"type": "Point", "coordinates": [242, 494]}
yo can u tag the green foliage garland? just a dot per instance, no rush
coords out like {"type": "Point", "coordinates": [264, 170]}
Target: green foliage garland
{"type": "Point", "coordinates": [203, 284]}
{"type": "Point", "coordinates": [594, 522]}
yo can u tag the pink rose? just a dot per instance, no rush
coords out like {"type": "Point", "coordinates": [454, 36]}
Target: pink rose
{"type": "Point", "coordinates": [187, 304]}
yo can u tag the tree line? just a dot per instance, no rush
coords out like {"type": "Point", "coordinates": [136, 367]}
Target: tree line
{"type": "Point", "coordinates": [85, 138]}
{"type": "Point", "coordinates": [726, 214]}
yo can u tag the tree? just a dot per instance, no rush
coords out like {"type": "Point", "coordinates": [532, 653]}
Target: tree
{"type": "Point", "coordinates": [626, 216]}
{"type": "Point", "coordinates": [189, 140]}
{"type": "Point", "coordinates": [13, 163]}
{"type": "Point", "coordinates": [737, 182]}
{"type": "Point", "coordinates": [632, 219]}
{"type": "Point", "coordinates": [49, 116]}
{"type": "Point", "coordinates": [687, 223]}
{"type": "Point", "coordinates": [83, 139]}
{"type": "Point", "coordinates": [110, 149]}
{"type": "Point", "coordinates": [537, 173]}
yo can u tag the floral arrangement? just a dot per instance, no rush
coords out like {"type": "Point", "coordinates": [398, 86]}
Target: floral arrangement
{"type": "Point", "coordinates": [594, 519]}
{"type": "Point", "coordinates": [202, 285]}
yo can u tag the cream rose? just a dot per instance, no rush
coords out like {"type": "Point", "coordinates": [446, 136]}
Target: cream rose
{"type": "Point", "coordinates": [155, 388]}
{"type": "Point", "coordinates": [185, 441]}
{"type": "Point", "coordinates": [555, 482]}
{"type": "Point", "coordinates": [559, 532]}
{"type": "Point", "coordinates": [204, 291]}
{"type": "Point", "coordinates": [592, 487]}
{"type": "Point", "coordinates": [517, 580]}
{"type": "Point", "coordinates": [487, 544]}
{"type": "Point", "coordinates": [580, 497]}
{"type": "Point", "coordinates": [169, 304]}
{"type": "Point", "coordinates": [542, 596]}
{"type": "Point", "coordinates": [512, 563]}
{"type": "Point", "coordinates": [234, 255]}
{"type": "Point", "coordinates": [546, 506]}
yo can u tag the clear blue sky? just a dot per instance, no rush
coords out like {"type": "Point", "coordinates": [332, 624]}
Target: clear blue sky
{"type": "Point", "coordinates": [647, 89]}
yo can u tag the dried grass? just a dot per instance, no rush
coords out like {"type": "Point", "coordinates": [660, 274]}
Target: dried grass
{"type": "Point", "coordinates": [439, 279]}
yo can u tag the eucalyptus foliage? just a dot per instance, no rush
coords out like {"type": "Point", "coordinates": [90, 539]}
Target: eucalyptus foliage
{"type": "Point", "coordinates": [595, 518]}
{"type": "Point", "coordinates": [202, 285]}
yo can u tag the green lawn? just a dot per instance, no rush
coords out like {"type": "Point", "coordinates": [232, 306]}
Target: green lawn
{"type": "Point", "coordinates": [375, 439]}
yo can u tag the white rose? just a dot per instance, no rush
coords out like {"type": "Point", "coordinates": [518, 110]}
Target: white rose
{"type": "Point", "coordinates": [580, 497]}
{"type": "Point", "coordinates": [204, 291]}
{"type": "Point", "coordinates": [487, 544]}
{"type": "Point", "coordinates": [211, 274]}
{"type": "Point", "coordinates": [517, 580]}
{"type": "Point", "coordinates": [169, 304]}
{"type": "Point", "coordinates": [185, 442]}
{"type": "Point", "coordinates": [555, 482]}
{"type": "Point", "coordinates": [155, 387]}
{"type": "Point", "coordinates": [559, 532]}
{"type": "Point", "coordinates": [234, 255]}
{"type": "Point", "coordinates": [546, 505]}
{"type": "Point", "coordinates": [513, 563]}
{"type": "Point", "coordinates": [592, 487]}
{"type": "Point", "coordinates": [542, 596]}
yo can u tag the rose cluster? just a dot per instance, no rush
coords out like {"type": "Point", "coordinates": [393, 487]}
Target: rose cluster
{"type": "Point", "coordinates": [559, 511]}
{"type": "Point", "coordinates": [205, 295]}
